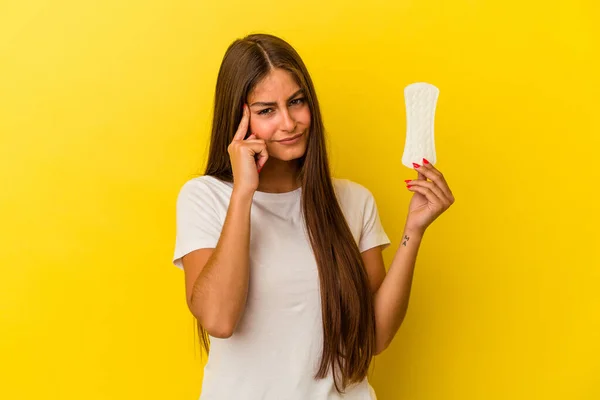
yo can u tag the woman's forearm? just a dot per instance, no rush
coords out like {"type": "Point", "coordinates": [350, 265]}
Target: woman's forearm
{"type": "Point", "coordinates": [220, 291]}
{"type": "Point", "coordinates": [392, 297]}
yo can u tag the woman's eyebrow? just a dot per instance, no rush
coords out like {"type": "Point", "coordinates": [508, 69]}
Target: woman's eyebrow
{"type": "Point", "coordinates": [274, 103]}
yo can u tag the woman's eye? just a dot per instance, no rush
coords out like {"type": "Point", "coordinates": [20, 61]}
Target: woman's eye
{"type": "Point", "coordinates": [265, 111]}
{"type": "Point", "coordinates": [294, 102]}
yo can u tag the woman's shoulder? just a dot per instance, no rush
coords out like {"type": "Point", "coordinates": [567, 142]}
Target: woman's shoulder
{"type": "Point", "coordinates": [348, 188]}
{"type": "Point", "coordinates": [205, 181]}
{"type": "Point", "coordinates": [204, 186]}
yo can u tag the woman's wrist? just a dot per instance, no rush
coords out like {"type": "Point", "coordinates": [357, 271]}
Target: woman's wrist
{"type": "Point", "coordinates": [413, 234]}
{"type": "Point", "coordinates": [242, 193]}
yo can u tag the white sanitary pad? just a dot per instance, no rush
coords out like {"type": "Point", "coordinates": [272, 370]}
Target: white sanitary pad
{"type": "Point", "coordinates": [421, 99]}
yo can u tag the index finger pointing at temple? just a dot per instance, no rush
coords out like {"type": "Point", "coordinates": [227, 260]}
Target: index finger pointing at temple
{"type": "Point", "coordinates": [243, 127]}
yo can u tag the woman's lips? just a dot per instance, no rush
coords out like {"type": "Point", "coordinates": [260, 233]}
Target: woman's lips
{"type": "Point", "coordinates": [291, 140]}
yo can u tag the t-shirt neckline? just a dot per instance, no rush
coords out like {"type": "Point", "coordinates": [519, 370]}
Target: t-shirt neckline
{"type": "Point", "coordinates": [265, 195]}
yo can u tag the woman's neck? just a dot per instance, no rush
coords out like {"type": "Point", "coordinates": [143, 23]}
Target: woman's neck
{"type": "Point", "coordinates": [279, 176]}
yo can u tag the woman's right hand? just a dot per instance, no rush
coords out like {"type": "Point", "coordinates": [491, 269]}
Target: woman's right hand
{"type": "Point", "coordinates": [247, 156]}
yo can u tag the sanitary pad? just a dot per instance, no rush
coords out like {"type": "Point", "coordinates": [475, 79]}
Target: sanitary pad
{"type": "Point", "coordinates": [421, 99]}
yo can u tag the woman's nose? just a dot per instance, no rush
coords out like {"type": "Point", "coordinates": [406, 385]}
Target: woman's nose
{"type": "Point", "coordinates": [288, 123]}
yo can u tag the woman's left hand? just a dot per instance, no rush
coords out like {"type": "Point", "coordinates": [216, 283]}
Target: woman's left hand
{"type": "Point", "coordinates": [430, 198]}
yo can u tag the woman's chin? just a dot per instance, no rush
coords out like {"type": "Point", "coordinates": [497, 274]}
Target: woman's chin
{"type": "Point", "coordinates": [292, 153]}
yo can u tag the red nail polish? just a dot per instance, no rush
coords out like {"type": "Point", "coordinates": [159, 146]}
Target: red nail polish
{"type": "Point", "coordinates": [425, 161]}
{"type": "Point", "coordinates": [408, 187]}
{"type": "Point", "coordinates": [416, 165]}
{"type": "Point", "coordinates": [407, 180]}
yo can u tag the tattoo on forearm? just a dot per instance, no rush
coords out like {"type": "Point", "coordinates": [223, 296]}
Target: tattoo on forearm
{"type": "Point", "coordinates": [405, 240]}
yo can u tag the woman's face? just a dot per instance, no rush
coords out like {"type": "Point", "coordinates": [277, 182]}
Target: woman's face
{"type": "Point", "coordinates": [279, 111]}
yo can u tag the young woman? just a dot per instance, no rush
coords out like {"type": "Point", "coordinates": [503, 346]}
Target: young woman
{"type": "Point", "coordinates": [283, 264]}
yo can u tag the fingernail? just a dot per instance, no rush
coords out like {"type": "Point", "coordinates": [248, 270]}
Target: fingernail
{"type": "Point", "coordinates": [425, 161]}
{"type": "Point", "coordinates": [408, 187]}
{"type": "Point", "coordinates": [407, 180]}
{"type": "Point", "coordinates": [416, 165]}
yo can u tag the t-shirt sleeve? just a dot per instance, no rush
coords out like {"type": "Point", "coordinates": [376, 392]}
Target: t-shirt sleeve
{"type": "Point", "coordinates": [372, 234]}
{"type": "Point", "coordinates": [198, 225]}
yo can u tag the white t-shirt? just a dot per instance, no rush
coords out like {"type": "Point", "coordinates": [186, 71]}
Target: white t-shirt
{"type": "Point", "coordinates": [275, 350]}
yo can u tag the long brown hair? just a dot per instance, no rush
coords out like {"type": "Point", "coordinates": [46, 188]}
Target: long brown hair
{"type": "Point", "coordinates": [346, 302]}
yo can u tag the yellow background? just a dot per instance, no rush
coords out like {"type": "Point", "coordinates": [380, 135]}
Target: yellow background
{"type": "Point", "coordinates": [105, 113]}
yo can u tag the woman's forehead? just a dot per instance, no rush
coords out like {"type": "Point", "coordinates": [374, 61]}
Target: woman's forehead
{"type": "Point", "coordinates": [278, 85]}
